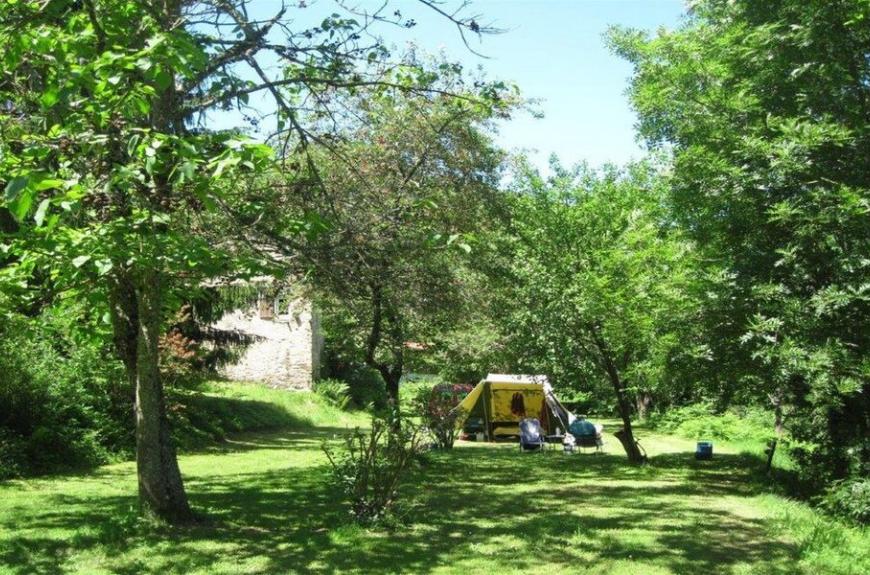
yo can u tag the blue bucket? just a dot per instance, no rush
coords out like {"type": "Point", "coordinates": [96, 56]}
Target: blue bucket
{"type": "Point", "coordinates": [704, 450]}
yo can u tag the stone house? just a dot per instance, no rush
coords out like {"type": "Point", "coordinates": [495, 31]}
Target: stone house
{"type": "Point", "coordinates": [281, 342]}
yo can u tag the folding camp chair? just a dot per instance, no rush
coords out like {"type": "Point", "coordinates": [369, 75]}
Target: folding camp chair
{"type": "Point", "coordinates": [587, 435]}
{"type": "Point", "coordinates": [584, 441]}
{"type": "Point", "coordinates": [531, 435]}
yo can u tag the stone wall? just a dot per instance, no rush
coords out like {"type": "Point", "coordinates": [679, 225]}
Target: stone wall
{"type": "Point", "coordinates": [284, 351]}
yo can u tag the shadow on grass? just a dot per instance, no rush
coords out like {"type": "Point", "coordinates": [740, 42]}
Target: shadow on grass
{"type": "Point", "coordinates": [311, 438]}
{"type": "Point", "coordinates": [199, 419]}
{"type": "Point", "coordinates": [201, 423]}
{"type": "Point", "coordinates": [289, 520]}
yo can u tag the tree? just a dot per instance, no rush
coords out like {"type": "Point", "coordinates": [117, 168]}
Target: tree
{"type": "Point", "coordinates": [104, 132]}
{"type": "Point", "coordinates": [600, 281]}
{"type": "Point", "coordinates": [398, 196]}
{"type": "Point", "coordinates": [766, 111]}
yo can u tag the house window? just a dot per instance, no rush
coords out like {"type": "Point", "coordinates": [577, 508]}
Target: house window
{"type": "Point", "coordinates": [265, 308]}
{"type": "Point", "coordinates": [283, 305]}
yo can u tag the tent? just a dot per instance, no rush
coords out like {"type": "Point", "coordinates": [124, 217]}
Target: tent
{"type": "Point", "coordinates": [498, 403]}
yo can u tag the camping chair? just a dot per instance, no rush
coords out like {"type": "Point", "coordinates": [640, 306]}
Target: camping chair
{"type": "Point", "coordinates": [588, 441]}
{"type": "Point", "coordinates": [590, 436]}
{"type": "Point", "coordinates": [531, 435]}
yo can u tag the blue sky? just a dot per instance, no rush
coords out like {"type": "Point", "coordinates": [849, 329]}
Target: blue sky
{"type": "Point", "coordinates": [554, 51]}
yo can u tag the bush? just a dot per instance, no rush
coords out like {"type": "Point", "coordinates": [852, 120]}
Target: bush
{"type": "Point", "coordinates": [821, 544]}
{"type": "Point", "coordinates": [63, 402]}
{"type": "Point", "coordinates": [341, 360]}
{"type": "Point", "coordinates": [590, 402]}
{"type": "Point", "coordinates": [850, 499]}
{"type": "Point", "coordinates": [334, 391]}
{"type": "Point", "coordinates": [13, 455]}
{"type": "Point", "coordinates": [370, 469]}
{"type": "Point", "coordinates": [435, 407]}
{"type": "Point", "coordinates": [410, 386]}
{"type": "Point", "coordinates": [700, 421]}
{"type": "Point", "coordinates": [367, 388]}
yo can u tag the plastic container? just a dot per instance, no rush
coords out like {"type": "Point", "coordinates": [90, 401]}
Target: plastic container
{"type": "Point", "coordinates": [704, 450]}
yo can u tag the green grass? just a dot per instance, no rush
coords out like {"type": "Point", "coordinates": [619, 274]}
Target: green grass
{"type": "Point", "coordinates": [478, 509]}
{"type": "Point", "coordinates": [221, 408]}
{"type": "Point", "coordinates": [745, 430]}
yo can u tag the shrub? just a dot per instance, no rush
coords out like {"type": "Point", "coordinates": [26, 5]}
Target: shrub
{"type": "Point", "coordinates": [700, 421]}
{"type": "Point", "coordinates": [822, 544]}
{"type": "Point", "coordinates": [13, 455]}
{"type": "Point", "coordinates": [586, 402]}
{"type": "Point", "coordinates": [435, 407]}
{"type": "Point", "coordinates": [367, 388]}
{"type": "Point", "coordinates": [850, 499]}
{"type": "Point", "coordinates": [342, 360]}
{"type": "Point", "coordinates": [370, 468]}
{"type": "Point", "coordinates": [334, 391]}
{"type": "Point", "coordinates": [64, 400]}
{"type": "Point", "coordinates": [410, 388]}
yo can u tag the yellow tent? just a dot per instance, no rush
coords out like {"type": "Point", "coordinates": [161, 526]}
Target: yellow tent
{"type": "Point", "coordinates": [498, 403]}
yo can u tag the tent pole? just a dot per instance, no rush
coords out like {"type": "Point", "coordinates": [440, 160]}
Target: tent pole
{"type": "Point", "coordinates": [486, 398]}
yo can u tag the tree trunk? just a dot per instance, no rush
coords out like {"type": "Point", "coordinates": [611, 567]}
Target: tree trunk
{"type": "Point", "coordinates": [392, 380]}
{"type": "Point", "coordinates": [124, 312]}
{"type": "Point", "coordinates": [626, 434]}
{"type": "Point", "coordinates": [161, 490]}
{"type": "Point", "coordinates": [136, 313]}
{"type": "Point", "coordinates": [391, 373]}
{"type": "Point", "coordinates": [397, 354]}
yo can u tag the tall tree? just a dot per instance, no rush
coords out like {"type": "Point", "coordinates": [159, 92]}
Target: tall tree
{"type": "Point", "coordinates": [399, 195]}
{"type": "Point", "coordinates": [766, 110]}
{"type": "Point", "coordinates": [600, 284]}
{"type": "Point", "coordinates": [104, 121]}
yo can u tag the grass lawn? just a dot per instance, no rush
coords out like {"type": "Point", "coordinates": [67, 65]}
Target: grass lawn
{"type": "Point", "coordinates": [478, 509]}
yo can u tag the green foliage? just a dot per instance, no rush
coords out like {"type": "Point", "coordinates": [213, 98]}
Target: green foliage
{"type": "Point", "coordinates": [13, 454]}
{"type": "Point", "coordinates": [764, 112]}
{"type": "Point", "coordinates": [823, 544]}
{"type": "Point", "coordinates": [341, 361]}
{"type": "Point", "coordinates": [63, 402]}
{"type": "Point", "coordinates": [701, 421]}
{"type": "Point", "coordinates": [600, 284]}
{"type": "Point", "coordinates": [367, 388]}
{"type": "Point", "coordinates": [389, 276]}
{"type": "Point", "coordinates": [850, 499]}
{"type": "Point", "coordinates": [334, 391]}
{"type": "Point", "coordinates": [370, 469]}
{"type": "Point", "coordinates": [411, 386]}
{"type": "Point", "coordinates": [473, 348]}
{"type": "Point", "coordinates": [592, 401]}
{"type": "Point", "coordinates": [435, 407]}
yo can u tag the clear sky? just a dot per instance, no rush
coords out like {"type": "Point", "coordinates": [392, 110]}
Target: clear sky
{"type": "Point", "coordinates": [554, 51]}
